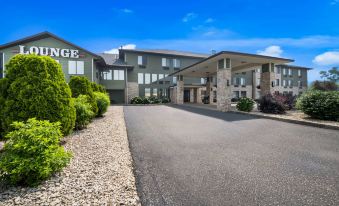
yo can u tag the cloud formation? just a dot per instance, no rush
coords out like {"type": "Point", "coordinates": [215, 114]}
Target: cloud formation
{"type": "Point", "coordinates": [116, 50]}
{"type": "Point", "coordinates": [274, 51]}
{"type": "Point", "coordinates": [189, 17]}
{"type": "Point", "coordinates": [327, 58]}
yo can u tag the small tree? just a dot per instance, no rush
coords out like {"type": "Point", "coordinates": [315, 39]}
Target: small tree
{"type": "Point", "coordinates": [82, 86]}
{"type": "Point", "coordinates": [35, 86]}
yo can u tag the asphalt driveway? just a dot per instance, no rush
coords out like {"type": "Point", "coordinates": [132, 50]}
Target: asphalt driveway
{"type": "Point", "coordinates": [194, 156]}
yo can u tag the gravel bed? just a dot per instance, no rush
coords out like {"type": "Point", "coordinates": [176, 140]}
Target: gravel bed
{"type": "Point", "coordinates": [100, 172]}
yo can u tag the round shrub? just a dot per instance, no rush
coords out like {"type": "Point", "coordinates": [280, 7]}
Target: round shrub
{"type": "Point", "coordinates": [84, 113]}
{"type": "Point", "coordinates": [97, 87]}
{"type": "Point", "coordinates": [35, 86]}
{"type": "Point", "coordinates": [103, 102]}
{"type": "Point", "coordinates": [81, 85]}
{"type": "Point", "coordinates": [320, 104]}
{"type": "Point", "coordinates": [153, 100]}
{"type": "Point", "coordinates": [136, 100]}
{"type": "Point", "coordinates": [268, 104]}
{"type": "Point", "coordinates": [245, 104]}
{"type": "Point", "coordinates": [32, 152]}
{"type": "Point", "coordinates": [165, 100]}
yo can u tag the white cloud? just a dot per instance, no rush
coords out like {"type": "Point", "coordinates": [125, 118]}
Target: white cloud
{"type": "Point", "coordinates": [189, 17]}
{"type": "Point", "coordinates": [273, 50]}
{"type": "Point", "coordinates": [127, 11]}
{"type": "Point", "coordinates": [209, 20]}
{"type": "Point", "coordinates": [116, 50]}
{"type": "Point", "coordinates": [327, 58]}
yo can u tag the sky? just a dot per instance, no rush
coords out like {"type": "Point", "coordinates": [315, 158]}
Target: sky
{"type": "Point", "coordinates": [304, 30]}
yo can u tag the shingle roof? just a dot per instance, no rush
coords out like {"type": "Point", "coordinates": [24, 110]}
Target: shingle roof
{"type": "Point", "coordinates": [113, 60]}
{"type": "Point", "coordinates": [168, 52]}
{"type": "Point", "coordinates": [293, 66]}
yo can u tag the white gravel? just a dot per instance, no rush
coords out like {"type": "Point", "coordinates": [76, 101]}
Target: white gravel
{"type": "Point", "coordinates": [100, 172]}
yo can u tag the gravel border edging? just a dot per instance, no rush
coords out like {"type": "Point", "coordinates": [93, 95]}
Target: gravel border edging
{"type": "Point", "coordinates": [306, 123]}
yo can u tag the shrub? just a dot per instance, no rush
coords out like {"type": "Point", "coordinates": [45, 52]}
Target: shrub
{"type": "Point", "coordinates": [35, 86]}
{"type": "Point", "coordinates": [84, 112]}
{"type": "Point", "coordinates": [245, 104]}
{"type": "Point", "coordinates": [268, 104]}
{"type": "Point", "coordinates": [324, 86]}
{"type": "Point", "coordinates": [32, 152]}
{"type": "Point", "coordinates": [103, 102]}
{"type": "Point", "coordinates": [136, 100]}
{"type": "Point", "coordinates": [81, 85]}
{"type": "Point", "coordinates": [154, 100]}
{"type": "Point", "coordinates": [320, 105]}
{"type": "Point", "coordinates": [288, 100]}
{"type": "Point", "coordinates": [145, 100]}
{"type": "Point", "coordinates": [98, 88]}
{"type": "Point", "coordinates": [165, 100]}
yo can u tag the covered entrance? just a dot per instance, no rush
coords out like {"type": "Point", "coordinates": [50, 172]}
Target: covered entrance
{"type": "Point", "coordinates": [217, 71]}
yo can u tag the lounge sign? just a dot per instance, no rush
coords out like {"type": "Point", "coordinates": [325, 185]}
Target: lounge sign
{"type": "Point", "coordinates": [47, 51]}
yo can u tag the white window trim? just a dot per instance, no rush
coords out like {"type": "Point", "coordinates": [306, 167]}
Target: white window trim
{"type": "Point", "coordinates": [141, 78]}
{"type": "Point", "coordinates": [140, 60]}
{"type": "Point", "coordinates": [149, 80]}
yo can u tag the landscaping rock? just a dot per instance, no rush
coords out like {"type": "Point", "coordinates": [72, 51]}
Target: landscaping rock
{"type": "Point", "coordinates": [100, 172]}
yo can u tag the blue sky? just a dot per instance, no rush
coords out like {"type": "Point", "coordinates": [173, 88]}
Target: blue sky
{"type": "Point", "coordinates": [307, 31]}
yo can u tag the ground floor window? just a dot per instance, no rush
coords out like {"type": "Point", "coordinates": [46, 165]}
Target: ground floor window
{"type": "Point", "coordinates": [236, 94]}
{"type": "Point", "coordinates": [147, 92]}
{"type": "Point", "coordinates": [155, 92]}
{"type": "Point", "coordinates": [243, 93]}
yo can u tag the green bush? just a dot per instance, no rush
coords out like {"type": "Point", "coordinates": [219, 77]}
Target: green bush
{"type": "Point", "coordinates": [35, 86]}
{"type": "Point", "coordinates": [320, 104]}
{"type": "Point", "coordinates": [98, 88]}
{"type": "Point", "coordinates": [154, 100]}
{"type": "Point", "coordinates": [103, 102]}
{"type": "Point", "coordinates": [165, 100]}
{"type": "Point", "coordinates": [268, 104]}
{"type": "Point", "coordinates": [81, 85]}
{"type": "Point", "coordinates": [137, 100]}
{"type": "Point", "coordinates": [84, 112]}
{"type": "Point", "coordinates": [245, 104]}
{"type": "Point", "coordinates": [32, 152]}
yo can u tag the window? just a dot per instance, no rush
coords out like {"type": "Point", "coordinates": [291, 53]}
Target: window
{"type": "Point", "coordinates": [166, 75]}
{"type": "Point", "coordinates": [176, 63]}
{"type": "Point", "coordinates": [147, 78]}
{"type": "Point", "coordinates": [290, 72]}
{"type": "Point", "coordinates": [147, 92]}
{"type": "Point", "coordinates": [284, 72]}
{"type": "Point", "coordinates": [228, 63]}
{"type": "Point", "coordinates": [236, 94]}
{"type": "Point", "coordinates": [243, 93]}
{"type": "Point", "coordinates": [284, 83]}
{"type": "Point", "coordinates": [155, 92]}
{"type": "Point", "coordinates": [107, 75]}
{"type": "Point", "coordinates": [221, 64]}
{"type": "Point", "coordinates": [165, 62]}
{"type": "Point", "coordinates": [299, 73]}
{"type": "Point", "coordinates": [300, 85]}
{"type": "Point", "coordinates": [140, 78]}
{"type": "Point", "coordinates": [75, 67]}
{"type": "Point", "coordinates": [289, 83]}
{"type": "Point", "coordinates": [258, 70]}
{"type": "Point", "coordinates": [174, 80]}
{"type": "Point", "coordinates": [154, 77]}
{"type": "Point", "coordinates": [242, 81]}
{"type": "Point", "coordinates": [278, 70]}
{"type": "Point", "coordinates": [142, 60]}
{"type": "Point", "coordinates": [202, 80]}
{"type": "Point", "coordinates": [119, 75]}
{"type": "Point", "coordinates": [277, 82]}
{"type": "Point", "coordinates": [161, 76]}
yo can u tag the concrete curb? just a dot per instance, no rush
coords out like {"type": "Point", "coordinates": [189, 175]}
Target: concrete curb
{"type": "Point", "coordinates": [313, 124]}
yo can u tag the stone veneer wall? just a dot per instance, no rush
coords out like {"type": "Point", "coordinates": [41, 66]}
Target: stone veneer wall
{"type": "Point", "coordinates": [199, 100]}
{"type": "Point", "coordinates": [266, 79]}
{"type": "Point", "coordinates": [224, 94]}
{"type": "Point", "coordinates": [179, 92]}
{"type": "Point", "coordinates": [192, 95]}
{"type": "Point", "coordinates": [132, 90]}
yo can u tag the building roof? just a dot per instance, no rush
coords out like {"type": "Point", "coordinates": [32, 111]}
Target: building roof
{"type": "Point", "coordinates": [167, 52]}
{"type": "Point", "coordinates": [43, 35]}
{"type": "Point", "coordinates": [293, 66]}
{"type": "Point", "coordinates": [113, 60]}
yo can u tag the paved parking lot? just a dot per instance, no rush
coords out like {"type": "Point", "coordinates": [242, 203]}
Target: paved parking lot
{"type": "Point", "coordinates": [194, 156]}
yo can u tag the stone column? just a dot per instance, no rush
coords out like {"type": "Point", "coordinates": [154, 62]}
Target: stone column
{"type": "Point", "coordinates": [267, 79]}
{"type": "Point", "coordinates": [209, 89]}
{"type": "Point", "coordinates": [192, 95]}
{"type": "Point", "coordinates": [132, 91]}
{"type": "Point", "coordinates": [180, 90]}
{"type": "Point", "coordinates": [224, 93]}
{"type": "Point", "coordinates": [199, 101]}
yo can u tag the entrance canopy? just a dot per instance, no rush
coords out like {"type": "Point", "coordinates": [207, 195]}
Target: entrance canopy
{"type": "Point", "coordinates": [239, 61]}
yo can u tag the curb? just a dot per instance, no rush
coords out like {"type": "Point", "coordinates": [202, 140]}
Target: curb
{"type": "Point", "coordinates": [313, 124]}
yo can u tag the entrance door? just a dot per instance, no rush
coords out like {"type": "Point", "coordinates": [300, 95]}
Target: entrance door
{"type": "Point", "coordinates": [186, 95]}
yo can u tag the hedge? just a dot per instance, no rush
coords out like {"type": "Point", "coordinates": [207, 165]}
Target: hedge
{"type": "Point", "coordinates": [320, 104]}
{"type": "Point", "coordinates": [35, 86]}
{"type": "Point", "coordinates": [103, 101]}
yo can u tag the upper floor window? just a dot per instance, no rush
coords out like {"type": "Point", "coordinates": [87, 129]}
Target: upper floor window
{"type": "Point", "coordinates": [277, 70]}
{"type": "Point", "coordinates": [165, 62]}
{"type": "Point", "coordinates": [142, 60]}
{"type": "Point", "coordinates": [299, 72]}
{"type": "Point", "coordinates": [147, 78]}
{"type": "Point", "coordinates": [76, 67]}
{"type": "Point", "coordinates": [289, 83]}
{"type": "Point", "coordinates": [174, 80]}
{"type": "Point", "coordinates": [277, 82]}
{"type": "Point", "coordinates": [290, 72]}
{"type": "Point", "coordinates": [176, 63]}
{"type": "Point", "coordinates": [119, 75]}
{"type": "Point", "coordinates": [284, 83]}
{"type": "Point", "coordinates": [202, 81]}
{"type": "Point", "coordinates": [284, 72]}
{"type": "Point", "coordinates": [107, 75]}
{"type": "Point", "coordinates": [161, 76]}
{"type": "Point", "coordinates": [300, 84]}
{"type": "Point", "coordinates": [154, 77]}
{"type": "Point", "coordinates": [140, 78]}
{"type": "Point", "coordinates": [239, 81]}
